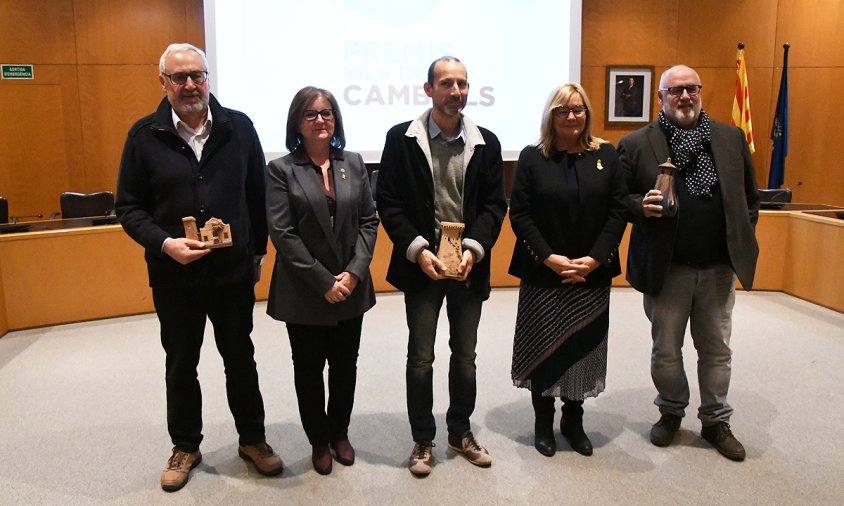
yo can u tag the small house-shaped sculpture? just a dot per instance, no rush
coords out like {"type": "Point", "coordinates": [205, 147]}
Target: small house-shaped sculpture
{"type": "Point", "coordinates": [215, 233]}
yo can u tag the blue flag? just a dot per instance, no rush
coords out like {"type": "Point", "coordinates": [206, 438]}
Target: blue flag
{"type": "Point", "coordinates": [779, 132]}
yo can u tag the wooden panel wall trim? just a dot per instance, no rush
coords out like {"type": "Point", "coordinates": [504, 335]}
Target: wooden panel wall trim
{"type": "Point", "coordinates": [38, 32]}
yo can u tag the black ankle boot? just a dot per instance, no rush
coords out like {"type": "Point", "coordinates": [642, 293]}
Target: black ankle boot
{"type": "Point", "coordinates": [543, 426]}
{"type": "Point", "coordinates": [571, 427]}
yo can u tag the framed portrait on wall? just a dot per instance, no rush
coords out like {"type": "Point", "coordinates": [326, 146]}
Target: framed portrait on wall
{"type": "Point", "coordinates": [630, 91]}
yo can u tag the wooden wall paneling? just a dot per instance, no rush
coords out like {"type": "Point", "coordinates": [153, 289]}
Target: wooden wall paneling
{"type": "Point", "coordinates": [643, 32]}
{"type": "Point", "coordinates": [37, 32]}
{"type": "Point", "coordinates": [772, 234]}
{"type": "Point", "coordinates": [381, 261]}
{"type": "Point", "coordinates": [815, 259]}
{"type": "Point", "coordinates": [130, 31]}
{"type": "Point", "coordinates": [709, 36]}
{"type": "Point", "coordinates": [112, 98]}
{"type": "Point", "coordinates": [814, 31]}
{"type": "Point", "coordinates": [34, 166]}
{"type": "Point", "coordinates": [4, 322]}
{"type": "Point", "coordinates": [813, 169]}
{"type": "Point", "coordinates": [500, 257]}
{"type": "Point", "coordinates": [194, 29]}
{"type": "Point", "coordinates": [83, 274]}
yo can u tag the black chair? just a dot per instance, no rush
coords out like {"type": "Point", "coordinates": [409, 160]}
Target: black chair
{"type": "Point", "coordinates": [774, 198]}
{"type": "Point", "coordinates": [4, 210]}
{"type": "Point", "coordinates": [83, 205]}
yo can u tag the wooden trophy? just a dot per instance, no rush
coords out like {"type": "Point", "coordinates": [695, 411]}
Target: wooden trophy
{"type": "Point", "coordinates": [215, 233]}
{"type": "Point", "coordinates": [450, 251]}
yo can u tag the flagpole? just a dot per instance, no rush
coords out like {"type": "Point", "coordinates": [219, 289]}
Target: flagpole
{"type": "Point", "coordinates": [779, 130]}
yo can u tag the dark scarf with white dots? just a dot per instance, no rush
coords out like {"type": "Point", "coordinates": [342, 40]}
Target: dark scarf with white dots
{"type": "Point", "coordinates": [690, 153]}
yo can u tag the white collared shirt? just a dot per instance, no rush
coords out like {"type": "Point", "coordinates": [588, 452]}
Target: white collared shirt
{"type": "Point", "coordinates": [195, 139]}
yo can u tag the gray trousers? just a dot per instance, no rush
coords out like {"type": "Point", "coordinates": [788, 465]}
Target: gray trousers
{"type": "Point", "coordinates": [703, 297]}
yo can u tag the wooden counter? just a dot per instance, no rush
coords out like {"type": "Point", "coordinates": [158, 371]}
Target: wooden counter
{"type": "Point", "coordinates": [61, 276]}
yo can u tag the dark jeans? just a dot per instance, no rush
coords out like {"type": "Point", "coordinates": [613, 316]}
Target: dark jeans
{"type": "Point", "coordinates": [312, 346]}
{"type": "Point", "coordinates": [463, 307]}
{"type": "Point", "coordinates": [182, 312]}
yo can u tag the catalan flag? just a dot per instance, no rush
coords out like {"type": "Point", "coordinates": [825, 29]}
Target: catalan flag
{"type": "Point", "coordinates": [779, 130]}
{"type": "Point", "coordinates": [741, 102]}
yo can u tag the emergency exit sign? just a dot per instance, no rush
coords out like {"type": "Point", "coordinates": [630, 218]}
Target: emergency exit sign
{"type": "Point", "coordinates": [17, 71]}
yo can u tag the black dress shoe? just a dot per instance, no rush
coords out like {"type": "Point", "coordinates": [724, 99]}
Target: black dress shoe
{"type": "Point", "coordinates": [344, 452]}
{"type": "Point", "coordinates": [321, 459]}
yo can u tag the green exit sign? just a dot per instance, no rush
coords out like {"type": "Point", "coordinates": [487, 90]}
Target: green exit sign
{"type": "Point", "coordinates": [17, 71]}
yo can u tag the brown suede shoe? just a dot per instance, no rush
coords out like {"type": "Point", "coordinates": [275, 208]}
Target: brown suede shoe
{"type": "Point", "coordinates": [344, 452]}
{"type": "Point", "coordinates": [178, 468]}
{"type": "Point", "coordinates": [266, 460]}
{"type": "Point", "coordinates": [421, 459]}
{"type": "Point", "coordinates": [469, 447]}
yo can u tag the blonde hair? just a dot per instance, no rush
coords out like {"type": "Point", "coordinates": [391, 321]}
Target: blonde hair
{"type": "Point", "coordinates": [559, 98]}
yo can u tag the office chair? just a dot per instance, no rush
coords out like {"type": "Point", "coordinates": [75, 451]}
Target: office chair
{"type": "Point", "coordinates": [82, 205]}
{"type": "Point", "coordinates": [774, 198]}
{"type": "Point", "coordinates": [4, 210]}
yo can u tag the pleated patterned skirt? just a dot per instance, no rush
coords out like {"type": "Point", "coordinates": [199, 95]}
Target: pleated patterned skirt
{"type": "Point", "coordinates": [560, 343]}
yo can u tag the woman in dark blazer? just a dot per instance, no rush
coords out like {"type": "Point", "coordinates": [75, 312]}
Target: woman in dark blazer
{"type": "Point", "coordinates": [568, 211]}
{"type": "Point", "coordinates": [322, 222]}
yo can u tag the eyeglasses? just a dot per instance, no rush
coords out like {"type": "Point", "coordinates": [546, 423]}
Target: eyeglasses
{"type": "Point", "coordinates": [677, 91]}
{"type": "Point", "coordinates": [311, 115]}
{"type": "Point", "coordinates": [564, 111]}
{"type": "Point", "coordinates": [180, 78]}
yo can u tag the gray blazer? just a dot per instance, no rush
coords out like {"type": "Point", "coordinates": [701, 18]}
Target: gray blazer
{"type": "Point", "coordinates": [309, 250]}
{"type": "Point", "coordinates": [652, 239]}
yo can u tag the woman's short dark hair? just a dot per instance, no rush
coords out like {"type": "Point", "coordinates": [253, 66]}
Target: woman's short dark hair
{"type": "Point", "coordinates": [300, 103]}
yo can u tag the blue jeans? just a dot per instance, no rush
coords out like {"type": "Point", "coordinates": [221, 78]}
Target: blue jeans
{"type": "Point", "coordinates": [463, 307]}
{"type": "Point", "coordinates": [704, 298]}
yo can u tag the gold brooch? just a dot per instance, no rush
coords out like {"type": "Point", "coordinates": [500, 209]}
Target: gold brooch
{"type": "Point", "coordinates": [342, 173]}
{"type": "Point", "coordinates": [600, 165]}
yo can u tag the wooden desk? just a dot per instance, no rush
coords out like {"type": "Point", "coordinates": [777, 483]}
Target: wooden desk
{"type": "Point", "coordinates": [61, 276]}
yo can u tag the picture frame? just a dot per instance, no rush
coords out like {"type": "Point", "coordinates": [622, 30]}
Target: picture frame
{"type": "Point", "coordinates": [629, 96]}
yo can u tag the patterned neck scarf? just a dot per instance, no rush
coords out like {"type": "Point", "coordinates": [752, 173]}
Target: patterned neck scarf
{"type": "Point", "coordinates": [690, 154]}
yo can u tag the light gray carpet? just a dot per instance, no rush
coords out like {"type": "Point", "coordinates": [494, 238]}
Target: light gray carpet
{"type": "Point", "coordinates": [82, 418]}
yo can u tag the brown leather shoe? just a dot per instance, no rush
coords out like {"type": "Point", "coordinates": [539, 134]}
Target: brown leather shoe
{"type": "Point", "coordinates": [422, 458]}
{"type": "Point", "coordinates": [469, 447]}
{"type": "Point", "coordinates": [344, 452]}
{"type": "Point", "coordinates": [321, 459]}
{"type": "Point", "coordinates": [178, 468]}
{"type": "Point", "coordinates": [266, 460]}
{"type": "Point", "coordinates": [721, 437]}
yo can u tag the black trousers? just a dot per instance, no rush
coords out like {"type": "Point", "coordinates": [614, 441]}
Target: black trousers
{"type": "Point", "coordinates": [312, 346]}
{"type": "Point", "coordinates": [182, 313]}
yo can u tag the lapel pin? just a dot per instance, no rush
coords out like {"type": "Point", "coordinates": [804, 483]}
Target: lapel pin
{"type": "Point", "coordinates": [342, 173]}
{"type": "Point", "coordinates": [600, 165]}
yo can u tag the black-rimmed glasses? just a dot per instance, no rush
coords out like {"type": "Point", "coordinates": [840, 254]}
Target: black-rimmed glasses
{"type": "Point", "coordinates": [180, 78]}
{"type": "Point", "coordinates": [311, 115]}
{"type": "Point", "coordinates": [677, 91]}
{"type": "Point", "coordinates": [564, 111]}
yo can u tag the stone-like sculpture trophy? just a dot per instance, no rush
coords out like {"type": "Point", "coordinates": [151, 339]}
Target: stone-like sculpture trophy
{"type": "Point", "coordinates": [450, 251]}
{"type": "Point", "coordinates": [215, 233]}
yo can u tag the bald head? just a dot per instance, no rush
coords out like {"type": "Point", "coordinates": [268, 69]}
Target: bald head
{"type": "Point", "coordinates": [678, 72]}
{"type": "Point", "coordinates": [683, 109]}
